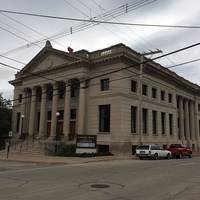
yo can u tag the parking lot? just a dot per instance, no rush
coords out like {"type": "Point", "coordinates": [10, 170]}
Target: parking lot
{"type": "Point", "coordinates": [108, 180]}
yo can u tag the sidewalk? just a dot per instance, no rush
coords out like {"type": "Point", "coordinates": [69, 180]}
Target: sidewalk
{"type": "Point", "coordinates": [62, 160]}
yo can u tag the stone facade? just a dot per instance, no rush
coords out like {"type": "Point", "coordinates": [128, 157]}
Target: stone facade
{"type": "Point", "coordinates": [70, 85]}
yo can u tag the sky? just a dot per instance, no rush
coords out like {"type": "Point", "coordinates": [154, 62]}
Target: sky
{"type": "Point", "coordinates": [18, 33]}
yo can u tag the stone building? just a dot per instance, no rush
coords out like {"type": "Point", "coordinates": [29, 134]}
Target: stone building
{"type": "Point", "coordinates": [62, 94]}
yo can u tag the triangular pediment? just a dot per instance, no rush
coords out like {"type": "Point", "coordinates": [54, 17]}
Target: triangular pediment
{"type": "Point", "coordinates": [47, 59]}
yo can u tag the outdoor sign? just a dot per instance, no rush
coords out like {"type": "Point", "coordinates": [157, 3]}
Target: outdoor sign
{"type": "Point", "coordinates": [86, 143]}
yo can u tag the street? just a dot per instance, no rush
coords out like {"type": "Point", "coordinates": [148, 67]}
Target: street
{"type": "Point", "coordinates": [106, 180]}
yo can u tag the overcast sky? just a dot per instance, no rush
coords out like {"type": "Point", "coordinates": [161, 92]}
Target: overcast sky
{"type": "Point", "coordinates": [142, 39]}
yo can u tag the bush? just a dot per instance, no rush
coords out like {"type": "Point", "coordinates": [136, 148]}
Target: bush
{"type": "Point", "coordinates": [69, 150]}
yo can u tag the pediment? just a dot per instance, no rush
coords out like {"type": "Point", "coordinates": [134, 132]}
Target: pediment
{"type": "Point", "coordinates": [48, 59]}
{"type": "Point", "coordinates": [48, 62]}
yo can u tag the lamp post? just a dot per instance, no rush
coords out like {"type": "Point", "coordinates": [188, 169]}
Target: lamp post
{"type": "Point", "coordinates": [57, 117]}
{"type": "Point", "coordinates": [22, 118]}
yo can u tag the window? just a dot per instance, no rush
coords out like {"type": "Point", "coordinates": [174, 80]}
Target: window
{"type": "Point", "coordinates": [50, 94]}
{"type": "Point", "coordinates": [154, 93]}
{"type": "Point", "coordinates": [170, 98]}
{"type": "Point", "coordinates": [61, 93]}
{"type": "Point", "coordinates": [133, 86]}
{"type": "Point", "coordinates": [74, 91]}
{"type": "Point", "coordinates": [170, 124]}
{"type": "Point", "coordinates": [49, 115]}
{"type": "Point", "coordinates": [154, 121]}
{"type": "Point", "coordinates": [199, 127]}
{"type": "Point", "coordinates": [163, 122]}
{"type": "Point", "coordinates": [162, 95]}
{"type": "Point", "coordinates": [38, 121]}
{"type": "Point", "coordinates": [18, 121]}
{"type": "Point", "coordinates": [61, 116]}
{"type": "Point", "coordinates": [144, 120]}
{"type": "Point", "coordinates": [199, 107]}
{"type": "Point", "coordinates": [73, 113]}
{"type": "Point", "coordinates": [105, 84]}
{"type": "Point", "coordinates": [144, 90]}
{"type": "Point", "coordinates": [20, 98]}
{"type": "Point", "coordinates": [39, 96]}
{"type": "Point", "coordinates": [104, 118]}
{"type": "Point", "coordinates": [133, 119]}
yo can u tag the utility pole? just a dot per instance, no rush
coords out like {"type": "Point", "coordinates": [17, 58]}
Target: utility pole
{"type": "Point", "coordinates": [140, 89]}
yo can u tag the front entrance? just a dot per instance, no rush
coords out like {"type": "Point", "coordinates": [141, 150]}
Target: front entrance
{"type": "Point", "coordinates": [72, 130]}
{"type": "Point", "coordinates": [48, 129]}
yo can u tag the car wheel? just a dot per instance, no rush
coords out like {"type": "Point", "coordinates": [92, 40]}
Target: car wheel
{"type": "Point", "coordinates": [180, 155]}
{"type": "Point", "coordinates": [190, 155]}
{"type": "Point", "coordinates": [155, 156]}
{"type": "Point", "coordinates": [168, 156]}
{"type": "Point", "coordinates": [141, 158]}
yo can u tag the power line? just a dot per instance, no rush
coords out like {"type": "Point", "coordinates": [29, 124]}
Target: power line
{"type": "Point", "coordinates": [123, 9]}
{"type": "Point", "coordinates": [124, 68]}
{"type": "Point", "coordinates": [28, 27]}
{"type": "Point", "coordinates": [102, 22]}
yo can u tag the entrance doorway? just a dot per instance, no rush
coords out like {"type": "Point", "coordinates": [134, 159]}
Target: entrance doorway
{"type": "Point", "coordinates": [72, 130]}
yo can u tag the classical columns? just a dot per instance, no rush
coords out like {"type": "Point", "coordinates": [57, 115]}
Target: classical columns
{"type": "Point", "coordinates": [81, 112]}
{"type": "Point", "coordinates": [43, 111]}
{"type": "Point", "coordinates": [181, 118]}
{"type": "Point", "coordinates": [54, 110]}
{"type": "Point", "coordinates": [192, 113]}
{"type": "Point", "coordinates": [66, 110]}
{"type": "Point", "coordinates": [32, 112]}
{"type": "Point", "coordinates": [187, 128]}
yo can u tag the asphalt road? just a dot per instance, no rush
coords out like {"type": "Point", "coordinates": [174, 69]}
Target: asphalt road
{"type": "Point", "coordinates": [118, 180]}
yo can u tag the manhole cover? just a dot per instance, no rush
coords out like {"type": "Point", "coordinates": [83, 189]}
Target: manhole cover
{"type": "Point", "coordinates": [100, 186]}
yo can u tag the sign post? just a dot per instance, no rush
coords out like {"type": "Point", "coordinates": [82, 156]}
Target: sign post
{"type": "Point", "coordinates": [86, 144]}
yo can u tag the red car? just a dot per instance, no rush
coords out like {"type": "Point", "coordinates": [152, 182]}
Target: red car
{"type": "Point", "coordinates": [179, 150]}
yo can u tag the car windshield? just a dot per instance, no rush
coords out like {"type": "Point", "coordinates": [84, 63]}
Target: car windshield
{"type": "Point", "coordinates": [143, 147]}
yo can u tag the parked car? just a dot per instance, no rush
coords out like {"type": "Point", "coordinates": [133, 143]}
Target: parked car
{"type": "Point", "coordinates": [152, 151]}
{"type": "Point", "coordinates": [179, 150]}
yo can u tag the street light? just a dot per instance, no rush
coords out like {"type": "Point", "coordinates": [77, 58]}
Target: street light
{"type": "Point", "coordinates": [22, 118]}
{"type": "Point", "coordinates": [57, 117]}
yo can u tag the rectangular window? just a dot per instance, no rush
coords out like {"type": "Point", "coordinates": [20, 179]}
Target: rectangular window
{"type": "Point", "coordinates": [39, 96]}
{"type": "Point", "coordinates": [171, 124]}
{"type": "Point", "coordinates": [154, 93]}
{"type": "Point", "coordinates": [61, 115]}
{"type": "Point", "coordinates": [144, 120]}
{"type": "Point", "coordinates": [105, 84]}
{"type": "Point", "coordinates": [133, 119]}
{"type": "Point", "coordinates": [49, 115]}
{"type": "Point", "coordinates": [144, 90]}
{"type": "Point", "coordinates": [73, 113]}
{"type": "Point", "coordinates": [162, 95]}
{"type": "Point", "coordinates": [38, 121]}
{"type": "Point", "coordinates": [154, 122]}
{"type": "Point", "coordinates": [18, 121]}
{"type": "Point", "coordinates": [199, 127]}
{"type": "Point", "coordinates": [20, 98]}
{"type": "Point", "coordinates": [163, 122]}
{"type": "Point", "coordinates": [50, 95]}
{"type": "Point", "coordinates": [61, 93]}
{"type": "Point", "coordinates": [170, 98]}
{"type": "Point", "coordinates": [133, 86]}
{"type": "Point", "coordinates": [104, 118]}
